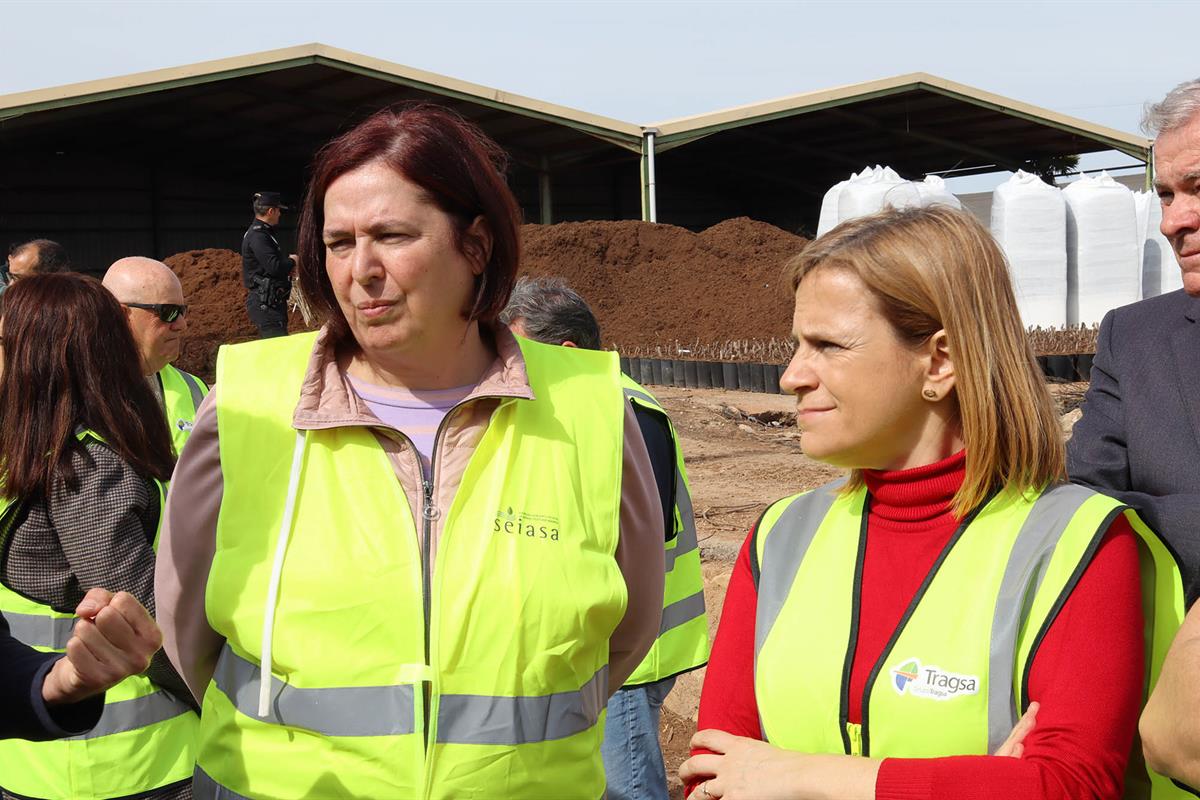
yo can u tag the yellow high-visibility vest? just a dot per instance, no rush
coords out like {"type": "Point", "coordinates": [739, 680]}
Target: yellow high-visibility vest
{"type": "Point", "coordinates": [682, 644]}
{"type": "Point", "coordinates": [482, 675]}
{"type": "Point", "coordinates": [182, 393]}
{"type": "Point", "coordinates": [145, 738]}
{"type": "Point", "coordinates": [953, 680]}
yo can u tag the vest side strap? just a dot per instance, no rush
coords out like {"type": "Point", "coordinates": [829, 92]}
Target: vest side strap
{"type": "Point", "coordinates": [645, 398]}
{"type": "Point", "coordinates": [492, 720]}
{"type": "Point", "coordinates": [686, 542]}
{"type": "Point", "coordinates": [193, 387]}
{"type": "Point", "coordinates": [37, 630]}
{"type": "Point", "coordinates": [340, 711]}
{"type": "Point", "coordinates": [1027, 564]}
{"type": "Point", "coordinates": [783, 552]}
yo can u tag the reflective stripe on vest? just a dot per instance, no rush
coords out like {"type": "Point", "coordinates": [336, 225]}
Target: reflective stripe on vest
{"type": "Point", "coordinates": [345, 711]}
{"type": "Point", "coordinates": [686, 648]}
{"type": "Point", "coordinates": [522, 598]}
{"type": "Point", "coordinates": [38, 630]}
{"type": "Point", "coordinates": [134, 713]}
{"type": "Point", "coordinates": [205, 788]}
{"type": "Point", "coordinates": [388, 710]}
{"type": "Point", "coordinates": [144, 739]}
{"type": "Point", "coordinates": [941, 699]}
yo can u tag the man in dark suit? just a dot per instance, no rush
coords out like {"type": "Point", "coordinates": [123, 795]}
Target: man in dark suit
{"type": "Point", "coordinates": [51, 695]}
{"type": "Point", "coordinates": [1139, 437]}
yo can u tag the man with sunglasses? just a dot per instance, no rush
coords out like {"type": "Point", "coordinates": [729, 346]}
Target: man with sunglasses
{"type": "Point", "coordinates": [153, 299]}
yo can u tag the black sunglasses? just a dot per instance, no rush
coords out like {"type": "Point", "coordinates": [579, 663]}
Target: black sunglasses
{"type": "Point", "coordinates": [167, 312]}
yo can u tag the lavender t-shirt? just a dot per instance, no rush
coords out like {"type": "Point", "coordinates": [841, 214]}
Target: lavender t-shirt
{"type": "Point", "coordinates": [415, 414]}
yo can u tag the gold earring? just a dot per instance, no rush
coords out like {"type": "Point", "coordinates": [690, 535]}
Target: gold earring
{"type": "Point", "coordinates": [930, 393]}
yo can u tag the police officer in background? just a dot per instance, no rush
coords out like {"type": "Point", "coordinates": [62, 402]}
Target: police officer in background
{"type": "Point", "coordinates": [266, 272]}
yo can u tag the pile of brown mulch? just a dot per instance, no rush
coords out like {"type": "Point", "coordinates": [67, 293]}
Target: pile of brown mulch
{"type": "Point", "coordinates": [718, 293]}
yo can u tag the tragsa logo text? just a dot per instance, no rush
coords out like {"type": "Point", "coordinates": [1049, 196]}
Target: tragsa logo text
{"type": "Point", "coordinates": [933, 683]}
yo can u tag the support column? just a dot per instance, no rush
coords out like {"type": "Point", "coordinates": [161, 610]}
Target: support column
{"type": "Point", "coordinates": [544, 200]}
{"type": "Point", "coordinates": [649, 198]}
{"type": "Point", "coordinates": [1150, 168]}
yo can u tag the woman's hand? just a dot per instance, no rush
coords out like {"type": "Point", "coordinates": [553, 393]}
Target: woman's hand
{"type": "Point", "coordinates": [1014, 745]}
{"type": "Point", "coordinates": [739, 767]}
{"type": "Point", "coordinates": [114, 638]}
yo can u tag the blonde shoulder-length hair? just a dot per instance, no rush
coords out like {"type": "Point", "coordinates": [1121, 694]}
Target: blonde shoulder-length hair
{"type": "Point", "coordinates": [937, 268]}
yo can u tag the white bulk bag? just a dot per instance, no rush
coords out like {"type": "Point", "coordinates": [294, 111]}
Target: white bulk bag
{"type": "Point", "coordinates": [1029, 221]}
{"type": "Point", "coordinates": [1160, 269]}
{"type": "Point", "coordinates": [1104, 265]}
{"type": "Point", "coordinates": [933, 191]}
{"type": "Point", "coordinates": [871, 190]}
{"type": "Point", "coordinates": [829, 204]}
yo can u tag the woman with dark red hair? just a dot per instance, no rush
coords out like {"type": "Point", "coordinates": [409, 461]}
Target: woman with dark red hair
{"type": "Point", "coordinates": [409, 555]}
{"type": "Point", "coordinates": [86, 456]}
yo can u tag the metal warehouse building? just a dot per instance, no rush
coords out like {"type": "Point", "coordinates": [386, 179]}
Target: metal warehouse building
{"type": "Point", "coordinates": [161, 162]}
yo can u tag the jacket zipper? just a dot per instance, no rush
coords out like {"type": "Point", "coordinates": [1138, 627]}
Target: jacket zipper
{"type": "Point", "coordinates": [852, 732]}
{"type": "Point", "coordinates": [854, 735]}
{"type": "Point", "coordinates": [429, 514]}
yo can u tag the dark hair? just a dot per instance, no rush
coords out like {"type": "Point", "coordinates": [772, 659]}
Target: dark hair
{"type": "Point", "coordinates": [261, 208]}
{"type": "Point", "coordinates": [51, 256]}
{"type": "Point", "coordinates": [552, 312]}
{"type": "Point", "coordinates": [69, 363]}
{"type": "Point", "coordinates": [460, 168]}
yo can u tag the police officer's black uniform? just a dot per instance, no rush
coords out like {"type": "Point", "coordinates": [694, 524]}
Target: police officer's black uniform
{"type": "Point", "coordinates": [265, 273]}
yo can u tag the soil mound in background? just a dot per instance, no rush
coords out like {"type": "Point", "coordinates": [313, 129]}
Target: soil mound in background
{"type": "Point", "coordinates": [212, 288]}
{"type": "Point", "coordinates": [650, 285]}
{"type": "Point", "coordinates": [654, 285]}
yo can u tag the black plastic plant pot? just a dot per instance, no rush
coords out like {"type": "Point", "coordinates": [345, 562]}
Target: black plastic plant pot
{"type": "Point", "coordinates": [1083, 366]}
{"type": "Point", "coordinates": [729, 376]}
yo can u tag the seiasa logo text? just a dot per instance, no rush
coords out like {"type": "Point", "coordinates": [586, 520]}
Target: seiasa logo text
{"type": "Point", "coordinates": [934, 683]}
{"type": "Point", "coordinates": [526, 524]}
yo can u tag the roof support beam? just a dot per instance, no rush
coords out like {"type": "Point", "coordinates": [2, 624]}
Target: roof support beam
{"type": "Point", "coordinates": [799, 149]}
{"type": "Point", "coordinates": [949, 144]}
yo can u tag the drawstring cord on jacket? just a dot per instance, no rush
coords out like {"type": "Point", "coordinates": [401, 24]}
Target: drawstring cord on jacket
{"type": "Point", "coordinates": [285, 530]}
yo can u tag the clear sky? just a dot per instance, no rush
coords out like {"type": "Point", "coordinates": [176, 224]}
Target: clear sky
{"type": "Point", "coordinates": [648, 61]}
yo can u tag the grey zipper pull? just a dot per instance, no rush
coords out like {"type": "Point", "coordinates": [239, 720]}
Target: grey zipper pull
{"type": "Point", "coordinates": [429, 511]}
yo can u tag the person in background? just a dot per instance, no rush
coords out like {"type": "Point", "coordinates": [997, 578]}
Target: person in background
{"type": "Point", "coordinates": [154, 305]}
{"type": "Point", "coordinates": [883, 635]}
{"type": "Point", "coordinates": [53, 696]}
{"type": "Point", "coordinates": [35, 257]}
{"type": "Point", "coordinates": [409, 555]}
{"type": "Point", "coordinates": [1141, 420]}
{"type": "Point", "coordinates": [548, 311]}
{"type": "Point", "coordinates": [1139, 437]}
{"type": "Point", "coordinates": [86, 457]}
{"type": "Point", "coordinates": [266, 273]}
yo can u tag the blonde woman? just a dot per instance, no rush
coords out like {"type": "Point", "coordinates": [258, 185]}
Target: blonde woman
{"type": "Point", "coordinates": [883, 635]}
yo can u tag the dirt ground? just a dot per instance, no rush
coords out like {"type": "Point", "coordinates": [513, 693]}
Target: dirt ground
{"type": "Point", "coordinates": [742, 452]}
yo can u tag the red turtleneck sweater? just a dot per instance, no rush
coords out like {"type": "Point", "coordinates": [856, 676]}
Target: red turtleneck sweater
{"type": "Point", "coordinates": [1087, 674]}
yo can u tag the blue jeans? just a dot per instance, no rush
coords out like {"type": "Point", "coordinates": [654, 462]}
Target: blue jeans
{"type": "Point", "coordinates": [633, 762]}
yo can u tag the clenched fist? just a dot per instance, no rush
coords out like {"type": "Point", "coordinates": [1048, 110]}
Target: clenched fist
{"type": "Point", "coordinates": [115, 637]}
